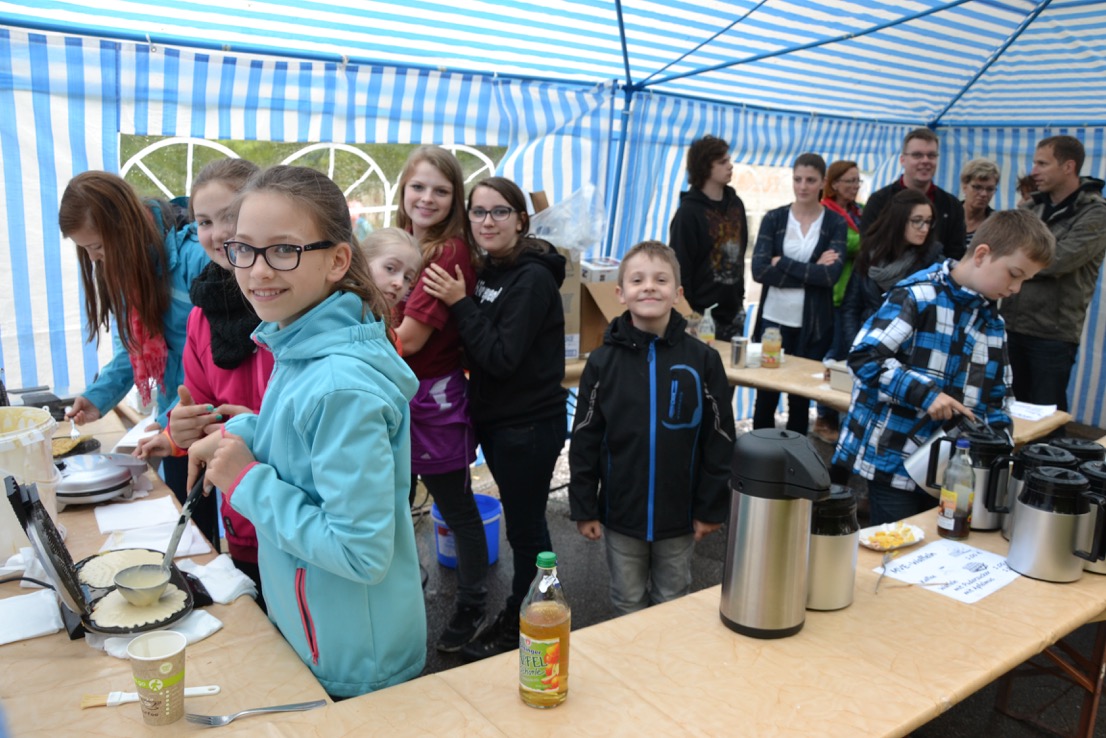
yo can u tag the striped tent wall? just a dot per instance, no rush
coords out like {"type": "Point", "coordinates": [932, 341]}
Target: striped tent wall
{"type": "Point", "coordinates": [1012, 149]}
{"type": "Point", "coordinates": [58, 117]}
{"type": "Point", "coordinates": [80, 94]}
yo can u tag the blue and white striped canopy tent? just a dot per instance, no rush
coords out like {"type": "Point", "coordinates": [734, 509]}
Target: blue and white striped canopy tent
{"type": "Point", "coordinates": [579, 91]}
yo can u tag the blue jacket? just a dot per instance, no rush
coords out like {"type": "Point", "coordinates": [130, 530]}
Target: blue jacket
{"type": "Point", "coordinates": [186, 260]}
{"type": "Point", "coordinates": [931, 335]}
{"type": "Point", "coordinates": [328, 497]}
{"type": "Point", "coordinates": [653, 439]}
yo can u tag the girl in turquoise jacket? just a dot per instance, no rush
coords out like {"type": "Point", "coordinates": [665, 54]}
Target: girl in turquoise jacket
{"type": "Point", "coordinates": [323, 470]}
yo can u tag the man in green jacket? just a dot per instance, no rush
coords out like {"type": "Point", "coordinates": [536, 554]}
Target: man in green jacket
{"type": "Point", "coordinates": [1044, 322]}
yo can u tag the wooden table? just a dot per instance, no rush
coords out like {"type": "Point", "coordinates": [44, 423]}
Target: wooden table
{"type": "Point", "coordinates": [42, 679]}
{"type": "Point", "coordinates": [805, 377]}
{"type": "Point", "coordinates": [886, 665]}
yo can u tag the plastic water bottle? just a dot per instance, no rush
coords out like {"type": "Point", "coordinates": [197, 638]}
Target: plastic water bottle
{"type": "Point", "coordinates": [706, 327]}
{"type": "Point", "coordinates": [544, 623]}
{"type": "Point", "coordinates": [954, 514]}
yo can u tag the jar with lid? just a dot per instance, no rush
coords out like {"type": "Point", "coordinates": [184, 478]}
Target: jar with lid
{"type": "Point", "coordinates": [771, 348]}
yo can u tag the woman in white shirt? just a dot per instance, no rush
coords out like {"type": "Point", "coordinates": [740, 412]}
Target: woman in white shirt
{"type": "Point", "coordinates": [799, 255]}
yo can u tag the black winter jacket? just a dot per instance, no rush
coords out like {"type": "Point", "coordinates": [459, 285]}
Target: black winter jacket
{"type": "Point", "coordinates": [653, 439]}
{"type": "Point", "coordinates": [513, 332]}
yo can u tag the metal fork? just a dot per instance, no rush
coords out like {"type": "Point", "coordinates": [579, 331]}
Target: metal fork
{"type": "Point", "coordinates": [214, 720]}
{"type": "Point", "coordinates": [883, 570]}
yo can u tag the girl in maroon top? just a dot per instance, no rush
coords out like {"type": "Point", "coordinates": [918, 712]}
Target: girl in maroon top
{"type": "Point", "coordinates": [432, 209]}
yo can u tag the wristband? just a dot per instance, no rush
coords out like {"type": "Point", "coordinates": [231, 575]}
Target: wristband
{"type": "Point", "coordinates": [177, 450]}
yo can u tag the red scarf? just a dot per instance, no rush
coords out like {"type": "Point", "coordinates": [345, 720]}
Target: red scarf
{"type": "Point", "coordinates": [148, 361]}
{"type": "Point", "coordinates": [849, 214]}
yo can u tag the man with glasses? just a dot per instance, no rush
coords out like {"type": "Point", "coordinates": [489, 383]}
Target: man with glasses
{"type": "Point", "coordinates": [709, 233]}
{"type": "Point", "coordinates": [919, 164]}
{"type": "Point", "coordinates": [1044, 321]}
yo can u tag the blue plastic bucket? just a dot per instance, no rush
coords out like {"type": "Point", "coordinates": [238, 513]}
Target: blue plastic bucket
{"type": "Point", "coordinates": [490, 512]}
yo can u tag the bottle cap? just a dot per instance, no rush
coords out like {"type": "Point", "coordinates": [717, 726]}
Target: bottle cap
{"type": "Point", "coordinates": [547, 560]}
{"type": "Point", "coordinates": [963, 443]}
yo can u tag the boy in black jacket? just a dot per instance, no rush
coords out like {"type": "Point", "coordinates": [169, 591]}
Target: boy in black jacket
{"type": "Point", "coordinates": [653, 438]}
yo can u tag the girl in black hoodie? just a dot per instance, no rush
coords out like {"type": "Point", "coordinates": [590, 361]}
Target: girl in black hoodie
{"type": "Point", "coordinates": [513, 332]}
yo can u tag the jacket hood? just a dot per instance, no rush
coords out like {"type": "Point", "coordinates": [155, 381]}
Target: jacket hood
{"type": "Point", "coordinates": [336, 327]}
{"type": "Point", "coordinates": [695, 196]}
{"type": "Point", "coordinates": [940, 275]}
{"type": "Point", "coordinates": [550, 260]}
{"type": "Point", "coordinates": [621, 331]}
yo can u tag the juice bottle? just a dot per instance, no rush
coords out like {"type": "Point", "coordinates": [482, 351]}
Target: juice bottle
{"type": "Point", "coordinates": [771, 344]}
{"type": "Point", "coordinates": [954, 514]}
{"type": "Point", "coordinates": [544, 622]}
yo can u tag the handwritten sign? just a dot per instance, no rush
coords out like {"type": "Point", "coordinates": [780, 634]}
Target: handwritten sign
{"type": "Point", "coordinates": [953, 569]}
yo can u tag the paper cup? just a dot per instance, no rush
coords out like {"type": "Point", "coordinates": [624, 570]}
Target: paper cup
{"type": "Point", "coordinates": [157, 660]}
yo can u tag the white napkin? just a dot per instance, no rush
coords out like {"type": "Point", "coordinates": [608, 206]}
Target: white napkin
{"type": "Point", "coordinates": [221, 578]}
{"type": "Point", "coordinates": [127, 515]}
{"type": "Point", "coordinates": [29, 616]}
{"type": "Point", "coordinates": [195, 626]}
{"type": "Point", "coordinates": [1028, 411]}
{"type": "Point", "coordinates": [157, 537]}
{"type": "Point", "coordinates": [26, 562]}
{"type": "Point", "coordinates": [130, 441]}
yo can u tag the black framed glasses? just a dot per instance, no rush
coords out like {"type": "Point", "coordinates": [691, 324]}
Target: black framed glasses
{"type": "Point", "coordinates": [283, 257]}
{"type": "Point", "coordinates": [501, 213]}
{"type": "Point", "coordinates": [921, 223]}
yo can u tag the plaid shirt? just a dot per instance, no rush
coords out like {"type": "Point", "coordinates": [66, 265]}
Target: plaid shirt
{"type": "Point", "coordinates": [930, 336]}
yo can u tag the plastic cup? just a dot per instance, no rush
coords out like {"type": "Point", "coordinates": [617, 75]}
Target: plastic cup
{"type": "Point", "coordinates": [157, 661]}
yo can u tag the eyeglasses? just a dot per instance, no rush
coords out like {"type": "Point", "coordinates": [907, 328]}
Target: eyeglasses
{"type": "Point", "coordinates": [477, 215]}
{"type": "Point", "coordinates": [983, 189]}
{"type": "Point", "coordinates": [283, 257]}
{"type": "Point", "coordinates": [922, 224]}
{"type": "Point", "coordinates": [850, 181]}
{"type": "Point", "coordinates": [919, 155]}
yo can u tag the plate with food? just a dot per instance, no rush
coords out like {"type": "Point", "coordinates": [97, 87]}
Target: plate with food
{"type": "Point", "coordinates": [890, 536]}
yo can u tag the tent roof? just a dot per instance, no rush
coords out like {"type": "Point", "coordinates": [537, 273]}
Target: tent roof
{"type": "Point", "coordinates": [950, 62]}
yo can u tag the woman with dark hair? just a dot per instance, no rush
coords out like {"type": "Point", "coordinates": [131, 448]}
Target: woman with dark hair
{"type": "Point", "coordinates": [839, 195]}
{"type": "Point", "coordinates": [513, 332]}
{"type": "Point", "coordinates": [799, 255]}
{"type": "Point", "coordinates": [900, 242]}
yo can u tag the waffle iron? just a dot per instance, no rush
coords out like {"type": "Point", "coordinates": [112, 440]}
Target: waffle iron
{"type": "Point", "coordinates": [77, 599]}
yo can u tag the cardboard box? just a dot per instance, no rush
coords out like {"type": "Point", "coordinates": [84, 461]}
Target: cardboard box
{"type": "Point", "coordinates": [599, 269]}
{"type": "Point", "coordinates": [599, 307]}
{"type": "Point", "coordinates": [840, 379]}
{"type": "Point", "coordinates": [571, 298]}
{"type": "Point", "coordinates": [570, 288]}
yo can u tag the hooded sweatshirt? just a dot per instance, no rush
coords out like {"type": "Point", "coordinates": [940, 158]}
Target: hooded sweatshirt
{"type": "Point", "coordinates": [328, 497]}
{"type": "Point", "coordinates": [513, 331]}
{"type": "Point", "coordinates": [709, 238]}
{"type": "Point", "coordinates": [1054, 303]}
{"type": "Point", "coordinates": [653, 438]}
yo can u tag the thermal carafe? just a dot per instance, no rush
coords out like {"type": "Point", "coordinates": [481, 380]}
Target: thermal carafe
{"type": "Point", "coordinates": [776, 477]}
{"type": "Point", "coordinates": [834, 540]}
{"type": "Point", "coordinates": [1083, 449]}
{"type": "Point", "coordinates": [1053, 510]}
{"type": "Point", "coordinates": [1023, 461]}
{"type": "Point", "coordinates": [986, 446]}
{"type": "Point", "coordinates": [1095, 472]}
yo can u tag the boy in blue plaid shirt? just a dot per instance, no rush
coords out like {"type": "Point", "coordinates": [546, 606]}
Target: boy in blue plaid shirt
{"type": "Point", "coordinates": [936, 348]}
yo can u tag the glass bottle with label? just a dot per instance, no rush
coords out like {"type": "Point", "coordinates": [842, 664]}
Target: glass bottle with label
{"type": "Point", "coordinates": [954, 514]}
{"type": "Point", "coordinates": [771, 346]}
{"type": "Point", "coordinates": [544, 623]}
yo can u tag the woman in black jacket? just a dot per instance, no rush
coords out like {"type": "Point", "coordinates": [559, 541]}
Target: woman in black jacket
{"type": "Point", "coordinates": [799, 255]}
{"type": "Point", "coordinates": [513, 332]}
{"type": "Point", "coordinates": [899, 242]}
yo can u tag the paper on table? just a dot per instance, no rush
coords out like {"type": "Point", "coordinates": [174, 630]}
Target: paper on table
{"type": "Point", "coordinates": [969, 574]}
{"type": "Point", "coordinates": [129, 442]}
{"type": "Point", "coordinates": [127, 515]}
{"type": "Point", "coordinates": [29, 616]}
{"type": "Point", "coordinates": [157, 537]}
{"type": "Point", "coordinates": [1028, 411]}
